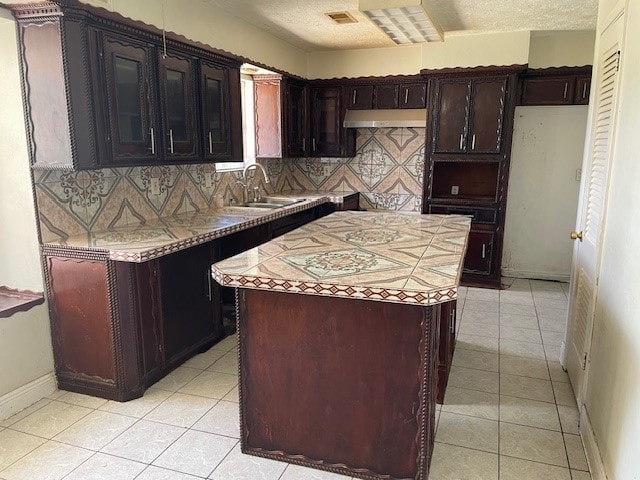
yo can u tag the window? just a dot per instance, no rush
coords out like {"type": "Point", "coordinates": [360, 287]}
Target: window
{"type": "Point", "coordinates": [248, 128]}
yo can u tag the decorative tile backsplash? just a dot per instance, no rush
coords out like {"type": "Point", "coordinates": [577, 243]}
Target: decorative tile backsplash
{"type": "Point", "coordinates": [387, 169]}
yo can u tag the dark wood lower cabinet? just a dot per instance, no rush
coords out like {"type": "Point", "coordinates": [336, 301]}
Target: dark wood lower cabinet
{"type": "Point", "coordinates": [446, 345]}
{"type": "Point", "coordinates": [189, 302]}
{"type": "Point", "coordinates": [338, 384]}
{"type": "Point", "coordinates": [118, 327]}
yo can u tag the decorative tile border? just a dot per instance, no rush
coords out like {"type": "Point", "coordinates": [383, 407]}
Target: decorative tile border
{"type": "Point", "coordinates": [335, 290]}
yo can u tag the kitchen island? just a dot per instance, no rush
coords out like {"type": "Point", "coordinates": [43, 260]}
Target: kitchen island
{"type": "Point", "coordinates": [338, 340]}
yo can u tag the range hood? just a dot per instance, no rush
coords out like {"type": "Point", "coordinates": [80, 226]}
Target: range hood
{"type": "Point", "coordinates": [401, 117]}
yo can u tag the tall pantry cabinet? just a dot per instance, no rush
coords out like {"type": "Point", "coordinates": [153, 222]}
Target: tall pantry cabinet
{"type": "Point", "coordinates": [468, 148]}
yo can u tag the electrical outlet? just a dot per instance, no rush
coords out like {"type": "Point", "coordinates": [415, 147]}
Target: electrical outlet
{"type": "Point", "coordinates": [578, 175]}
{"type": "Point", "coordinates": [455, 189]}
{"type": "Point", "coordinates": [326, 171]}
{"type": "Point", "coordinates": [155, 186]}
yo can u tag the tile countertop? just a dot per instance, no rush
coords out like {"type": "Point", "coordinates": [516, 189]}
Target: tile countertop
{"type": "Point", "coordinates": [139, 243]}
{"type": "Point", "coordinates": [390, 257]}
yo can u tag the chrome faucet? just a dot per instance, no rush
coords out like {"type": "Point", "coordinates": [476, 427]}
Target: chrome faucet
{"type": "Point", "coordinates": [245, 181]}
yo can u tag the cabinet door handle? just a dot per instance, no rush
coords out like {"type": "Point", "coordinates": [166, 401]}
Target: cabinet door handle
{"type": "Point", "coordinates": [484, 250]}
{"type": "Point", "coordinates": [566, 88]}
{"type": "Point", "coordinates": [208, 274]}
{"type": "Point", "coordinates": [406, 96]}
{"type": "Point", "coordinates": [314, 144]}
{"type": "Point", "coordinates": [355, 95]}
{"type": "Point", "coordinates": [171, 141]}
{"type": "Point", "coordinates": [153, 141]}
{"type": "Point", "coordinates": [210, 143]}
{"type": "Point", "coordinates": [452, 321]}
{"type": "Point", "coordinates": [304, 144]}
{"type": "Point", "coordinates": [473, 142]}
{"type": "Point", "coordinates": [584, 91]}
{"type": "Point", "coordinates": [461, 140]}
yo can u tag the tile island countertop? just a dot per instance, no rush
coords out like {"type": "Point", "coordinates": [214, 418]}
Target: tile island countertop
{"type": "Point", "coordinates": [406, 258]}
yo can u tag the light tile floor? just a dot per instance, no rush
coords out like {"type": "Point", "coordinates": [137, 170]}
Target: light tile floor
{"type": "Point", "coordinates": [509, 411]}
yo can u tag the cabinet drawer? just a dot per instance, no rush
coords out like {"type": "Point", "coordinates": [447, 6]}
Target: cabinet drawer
{"type": "Point", "coordinates": [477, 214]}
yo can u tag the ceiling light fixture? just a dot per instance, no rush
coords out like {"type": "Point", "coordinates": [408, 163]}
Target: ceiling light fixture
{"type": "Point", "coordinates": [404, 21]}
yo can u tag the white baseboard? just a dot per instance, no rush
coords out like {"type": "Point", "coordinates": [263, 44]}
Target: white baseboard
{"type": "Point", "coordinates": [591, 447]}
{"type": "Point", "coordinates": [27, 395]}
{"type": "Point", "coordinates": [558, 277]}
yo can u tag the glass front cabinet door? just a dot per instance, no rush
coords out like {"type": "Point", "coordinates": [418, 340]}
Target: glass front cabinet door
{"type": "Point", "coordinates": [133, 130]}
{"type": "Point", "coordinates": [214, 85]}
{"type": "Point", "coordinates": [178, 95]}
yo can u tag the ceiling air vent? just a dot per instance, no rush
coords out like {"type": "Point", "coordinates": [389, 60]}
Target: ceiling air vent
{"type": "Point", "coordinates": [341, 17]}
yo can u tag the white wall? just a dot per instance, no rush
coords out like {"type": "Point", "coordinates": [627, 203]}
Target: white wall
{"type": "Point", "coordinates": [486, 49]}
{"type": "Point", "coordinates": [501, 48]}
{"type": "Point", "coordinates": [25, 344]}
{"type": "Point", "coordinates": [405, 60]}
{"type": "Point", "coordinates": [561, 49]}
{"type": "Point", "coordinates": [613, 389]}
{"type": "Point", "coordinates": [547, 148]}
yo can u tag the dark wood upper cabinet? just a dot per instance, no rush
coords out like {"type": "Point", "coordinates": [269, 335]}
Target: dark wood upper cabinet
{"type": "Point", "coordinates": [413, 95]}
{"type": "Point", "coordinates": [51, 83]}
{"type": "Point", "coordinates": [555, 86]}
{"type": "Point", "coordinates": [486, 119]}
{"type": "Point", "coordinates": [470, 115]}
{"type": "Point", "coordinates": [548, 91]}
{"type": "Point", "coordinates": [213, 80]}
{"type": "Point", "coordinates": [328, 137]}
{"type": "Point", "coordinates": [386, 94]}
{"type": "Point", "coordinates": [99, 94]}
{"type": "Point", "coordinates": [326, 121]}
{"type": "Point", "coordinates": [453, 112]}
{"type": "Point", "coordinates": [133, 130]}
{"type": "Point", "coordinates": [296, 119]}
{"type": "Point", "coordinates": [281, 118]}
{"type": "Point", "coordinates": [178, 84]}
{"type": "Point", "coordinates": [386, 97]}
{"type": "Point", "coordinates": [221, 112]}
{"type": "Point", "coordinates": [359, 97]}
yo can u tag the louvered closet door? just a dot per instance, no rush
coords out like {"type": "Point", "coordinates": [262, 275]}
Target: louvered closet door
{"type": "Point", "coordinates": [592, 209]}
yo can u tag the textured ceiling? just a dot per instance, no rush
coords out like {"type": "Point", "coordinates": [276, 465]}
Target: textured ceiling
{"type": "Point", "coordinates": [304, 23]}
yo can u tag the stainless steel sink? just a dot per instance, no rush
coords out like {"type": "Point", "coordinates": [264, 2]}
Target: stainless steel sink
{"type": "Point", "coordinates": [260, 205]}
{"type": "Point", "coordinates": [273, 202]}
